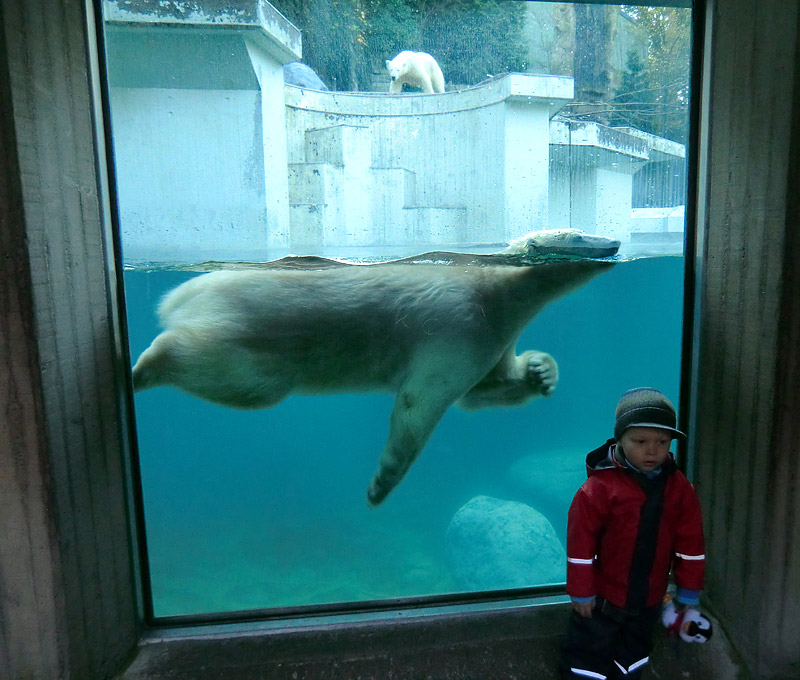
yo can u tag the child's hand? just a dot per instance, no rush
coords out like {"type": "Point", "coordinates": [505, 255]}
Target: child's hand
{"type": "Point", "coordinates": [584, 608]}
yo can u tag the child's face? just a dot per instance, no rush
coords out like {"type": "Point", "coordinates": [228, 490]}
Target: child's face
{"type": "Point", "coordinates": [646, 447]}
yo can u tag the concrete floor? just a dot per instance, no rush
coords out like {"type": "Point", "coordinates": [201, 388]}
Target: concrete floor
{"type": "Point", "coordinates": [517, 644]}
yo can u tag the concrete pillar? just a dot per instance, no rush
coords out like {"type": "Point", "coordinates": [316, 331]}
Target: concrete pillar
{"type": "Point", "coordinates": [526, 161]}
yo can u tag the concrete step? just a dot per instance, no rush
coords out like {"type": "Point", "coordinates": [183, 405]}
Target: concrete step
{"type": "Point", "coordinates": [311, 182]}
{"type": "Point", "coordinates": [434, 225]}
{"type": "Point", "coordinates": [332, 206]}
{"type": "Point", "coordinates": [306, 226]}
{"type": "Point", "coordinates": [393, 190]}
{"type": "Point", "coordinates": [342, 145]}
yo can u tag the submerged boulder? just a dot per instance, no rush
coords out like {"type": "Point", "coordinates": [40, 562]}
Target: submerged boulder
{"type": "Point", "coordinates": [549, 479]}
{"type": "Point", "coordinates": [493, 544]}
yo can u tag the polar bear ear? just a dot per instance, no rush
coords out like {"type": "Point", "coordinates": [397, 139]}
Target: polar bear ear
{"type": "Point", "coordinates": [388, 64]}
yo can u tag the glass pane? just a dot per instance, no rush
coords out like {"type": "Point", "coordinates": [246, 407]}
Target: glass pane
{"type": "Point", "coordinates": [276, 386]}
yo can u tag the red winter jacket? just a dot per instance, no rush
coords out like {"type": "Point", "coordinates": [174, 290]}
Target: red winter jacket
{"type": "Point", "coordinates": [604, 530]}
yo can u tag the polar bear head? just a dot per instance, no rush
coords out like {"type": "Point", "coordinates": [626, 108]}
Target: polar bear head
{"type": "Point", "coordinates": [398, 66]}
{"type": "Point", "coordinates": [563, 242]}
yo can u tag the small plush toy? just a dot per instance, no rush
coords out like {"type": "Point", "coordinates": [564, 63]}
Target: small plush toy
{"type": "Point", "coordinates": [688, 623]}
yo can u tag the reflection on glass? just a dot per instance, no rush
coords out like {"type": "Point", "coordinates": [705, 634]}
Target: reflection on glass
{"type": "Point", "coordinates": [234, 145]}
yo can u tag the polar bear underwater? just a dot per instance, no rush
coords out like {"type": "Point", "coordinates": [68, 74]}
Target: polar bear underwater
{"type": "Point", "coordinates": [436, 329]}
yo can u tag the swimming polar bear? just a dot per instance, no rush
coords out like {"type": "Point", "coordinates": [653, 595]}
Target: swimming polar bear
{"type": "Point", "coordinates": [418, 69]}
{"type": "Point", "coordinates": [436, 329]}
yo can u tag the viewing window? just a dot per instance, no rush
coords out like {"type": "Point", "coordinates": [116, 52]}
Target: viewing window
{"type": "Point", "coordinates": [245, 132]}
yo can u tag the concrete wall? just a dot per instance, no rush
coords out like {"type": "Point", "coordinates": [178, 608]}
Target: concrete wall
{"type": "Point", "coordinates": [200, 154]}
{"type": "Point", "coordinates": [593, 169]}
{"type": "Point", "coordinates": [217, 160]}
{"type": "Point", "coordinates": [191, 191]}
{"type": "Point", "coordinates": [455, 169]}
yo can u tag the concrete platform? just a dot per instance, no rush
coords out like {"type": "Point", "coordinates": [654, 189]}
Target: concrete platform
{"type": "Point", "coordinates": [516, 644]}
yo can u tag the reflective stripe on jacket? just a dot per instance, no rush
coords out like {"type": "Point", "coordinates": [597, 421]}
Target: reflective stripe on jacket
{"type": "Point", "coordinates": [603, 527]}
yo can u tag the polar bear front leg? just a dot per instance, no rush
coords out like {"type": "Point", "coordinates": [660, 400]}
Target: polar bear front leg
{"type": "Point", "coordinates": [513, 381]}
{"type": "Point", "coordinates": [541, 372]}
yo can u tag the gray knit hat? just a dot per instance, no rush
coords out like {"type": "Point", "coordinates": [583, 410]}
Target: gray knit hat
{"type": "Point", "coordinates": [645, 407]}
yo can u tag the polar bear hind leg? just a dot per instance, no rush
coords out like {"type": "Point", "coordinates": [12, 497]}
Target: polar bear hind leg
{"type": "Point", "coordinates": [436, 78]}
{"type": "Point", "coordinates": [217, 372]}
{"type": "Point", "coordinates": [414, 417]}
{"type": "Point", "coordinates": [425, 85]}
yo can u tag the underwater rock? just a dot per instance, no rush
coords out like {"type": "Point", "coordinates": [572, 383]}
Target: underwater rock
{"type": "Point", "coordinates": [493, 544]}
{"type": "Point", "coordinates": [549, 476]}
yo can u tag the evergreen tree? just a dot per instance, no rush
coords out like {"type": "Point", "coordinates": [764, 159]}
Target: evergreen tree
{"type": "Point", "coordinates": [474, 39]}
{"type": "Point", "coordinates": [655, 96]}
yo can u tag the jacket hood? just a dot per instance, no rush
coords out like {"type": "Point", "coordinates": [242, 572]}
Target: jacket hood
{"type": "Point", "coordinates": [605, 457]}
{"type": "Point", "coordinates": [602, 458]}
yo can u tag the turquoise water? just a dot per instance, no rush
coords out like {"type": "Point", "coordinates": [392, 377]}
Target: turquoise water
{"type": "Point", "coordinates": [261, 509]}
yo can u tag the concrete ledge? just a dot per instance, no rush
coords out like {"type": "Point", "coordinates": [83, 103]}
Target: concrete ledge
{"type": "Point", "coordinates": [660, 147]}
{"type": "Point", "coordinates": [510, 644]}
{"type": "Point", "coordinates": [556, 91]}
{"type": "Point", "coordinates": [598, 136]}
{"type": "Point", "coordinates": [266, 25]}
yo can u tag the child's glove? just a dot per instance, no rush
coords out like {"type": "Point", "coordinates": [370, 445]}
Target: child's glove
{"type": "Point", "coordinates": [686, 622]}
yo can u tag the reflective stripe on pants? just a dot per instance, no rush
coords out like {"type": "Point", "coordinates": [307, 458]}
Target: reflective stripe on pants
{"type": "Point", "coordinates": [603, 647]}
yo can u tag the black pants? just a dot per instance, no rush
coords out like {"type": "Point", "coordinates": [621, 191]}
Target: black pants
{"type": "Point", "coordinates": [611, 644]}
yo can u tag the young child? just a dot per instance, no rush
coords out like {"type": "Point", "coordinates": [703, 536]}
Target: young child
{"type": "Point", "coordinates": [635, 518]}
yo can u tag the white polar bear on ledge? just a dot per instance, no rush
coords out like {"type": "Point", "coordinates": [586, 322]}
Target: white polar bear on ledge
{"type": "Point", "coordinates": [436, 329]}
{"type": "Point", "coordinates": [418, 69]}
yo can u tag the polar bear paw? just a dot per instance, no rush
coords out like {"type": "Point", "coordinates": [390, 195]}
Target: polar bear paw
{"type": "Point", "coordinates": [376, 492]}
{"type": "Point", "coordinates": [541, 372]}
